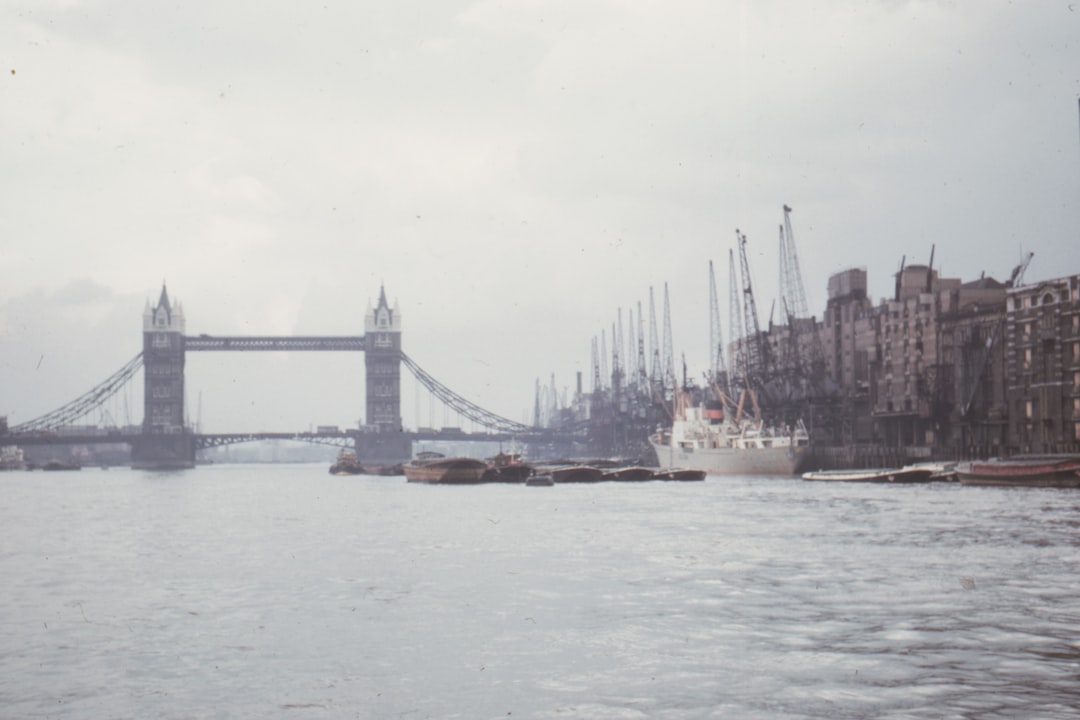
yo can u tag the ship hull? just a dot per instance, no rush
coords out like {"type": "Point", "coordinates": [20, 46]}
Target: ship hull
{"type": "Point", "coordinates": [1050, 471]}
{"type": "Point", "coordinates": [450, 471]}
{"type": "Point", "coordinates": [732, 461]}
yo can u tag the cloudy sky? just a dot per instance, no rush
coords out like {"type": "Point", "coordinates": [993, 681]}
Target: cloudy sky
{"type": "Point", "coordinates": [512, 172]}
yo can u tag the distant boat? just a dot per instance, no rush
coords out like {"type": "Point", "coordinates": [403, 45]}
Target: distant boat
{"type": "Point", "coordinates": [909, 474]}
{"type": "Point", "coordinates": [447, 471]}
{"type": "Point", "coordinates": [12, 458]}
{"type": "Point", "coordinates": [1059, 471]}
{"type": "Point", "coordinates": [508, 468]}
{"type": "Point", "coordinates": [346, 464]}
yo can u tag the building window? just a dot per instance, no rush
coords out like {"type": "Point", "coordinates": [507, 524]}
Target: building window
{"type": "Point", "coordinates": [1027, 409]}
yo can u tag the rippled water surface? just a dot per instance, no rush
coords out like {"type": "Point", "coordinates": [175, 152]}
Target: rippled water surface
{"type": "Point", "coordinates": [283, 592]}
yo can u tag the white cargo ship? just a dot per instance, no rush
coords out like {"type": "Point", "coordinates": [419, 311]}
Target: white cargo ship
{"type": "Point", "coordinates": [701, 438]}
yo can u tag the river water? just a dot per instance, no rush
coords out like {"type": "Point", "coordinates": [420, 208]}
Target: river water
{"type": "Point", "coordinates": [278, 591]}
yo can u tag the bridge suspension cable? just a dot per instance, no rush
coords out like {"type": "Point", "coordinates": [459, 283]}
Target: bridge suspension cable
{"type": "Point", "coordinates": [466, 408]}
{"type": "Point", "coordinates": [85, 403]}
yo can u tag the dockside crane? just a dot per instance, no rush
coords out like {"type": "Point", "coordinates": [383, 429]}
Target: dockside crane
{"type": "Point", "coordinates": [605, 377]}
{"type": "Point", "coordinates": [1016, 279]}
{"type": "Point", "coordinates": [755, 347]}
{"type": "Point", "coordinates": [537, 414]}
{"type": "Point", "coordinates": [792, 291]}
{"type": "Point", "coordinates": [737, 361]}
{"type": "Point", "coordinates": [670, 381]}
{"type": "Point", "coordinates": [617, 372]}
{"type": "Point", "coordinates": [595, 368]}
{"type": "Point", "coordinates": [791, 365]}
{"type": "Point", "coordinates": [757, 358]}
{"type": "Point", "coordinates": [797, 315]}
{"type": "Point", "coordinates": [642, 365]}
{"type": "Point", "coordinates": [717, 365]}
{"type": "Point", "coordinates": [654, 343]}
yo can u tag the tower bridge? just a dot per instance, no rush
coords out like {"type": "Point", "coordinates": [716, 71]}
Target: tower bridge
{"type": "Point", "coordinates": [166, 441]}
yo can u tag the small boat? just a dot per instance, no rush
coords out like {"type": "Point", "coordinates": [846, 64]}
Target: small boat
{"type": "Point", "coordinates": [909, 474]}
{"type": "Point", "coordinates": [508, 468]}
{"type": "Point", "coordinates": [678, 474]}
{"type": "Point", "coordinates": [447, 471]}
{"type": "Point", "coordinates": [346, 464]}
{"type": "Point", "coordinates": [1057, 471]}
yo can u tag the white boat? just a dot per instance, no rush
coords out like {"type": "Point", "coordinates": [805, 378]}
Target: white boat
{"type": "Point", "coordinates": [702, 438]}
{"type": "Point", "coordinates": [12, 458]}
{"type": "Point", "coordinates": [907, 474]}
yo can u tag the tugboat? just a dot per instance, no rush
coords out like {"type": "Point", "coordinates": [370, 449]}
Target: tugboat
{"type": "Point", "coordinates": [509, 468]}
{"type": "Point", "coordinates": [347, 464]}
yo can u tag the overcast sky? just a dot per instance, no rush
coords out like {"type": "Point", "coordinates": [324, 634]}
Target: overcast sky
{"type": "Point", "coordinates": [512, 172]}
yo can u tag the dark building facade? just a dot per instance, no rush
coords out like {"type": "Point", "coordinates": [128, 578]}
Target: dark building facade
{"type": "Point", "coordinates": [967, 397]}
{"type": "Point", "coordinates": [954, 369]}
{"type": "Point", "coordinates": [947, 368]}
{"type": "Point", "coordinates": [1043, 366]}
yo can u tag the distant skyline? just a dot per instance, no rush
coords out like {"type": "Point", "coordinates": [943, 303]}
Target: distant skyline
{"type": "Point", "coordinates": [513, 173]}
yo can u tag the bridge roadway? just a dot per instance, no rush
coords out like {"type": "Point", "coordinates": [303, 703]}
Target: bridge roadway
{"type": "Point", "coordinates": [341, 438]}
{"type": "Point", "coordinates": [208, 343]}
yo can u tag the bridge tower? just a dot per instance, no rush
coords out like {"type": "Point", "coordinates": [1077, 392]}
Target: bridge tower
{"type": "Point", "coordinates": [165, 441]}
{"type": "Point", "coordinates": [382, 351]}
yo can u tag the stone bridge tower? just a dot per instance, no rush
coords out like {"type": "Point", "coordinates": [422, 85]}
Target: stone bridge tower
{"type": "Point", "coordinates": [165, 441]}
{"type": "Point", "coordinates": [382, 350]}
